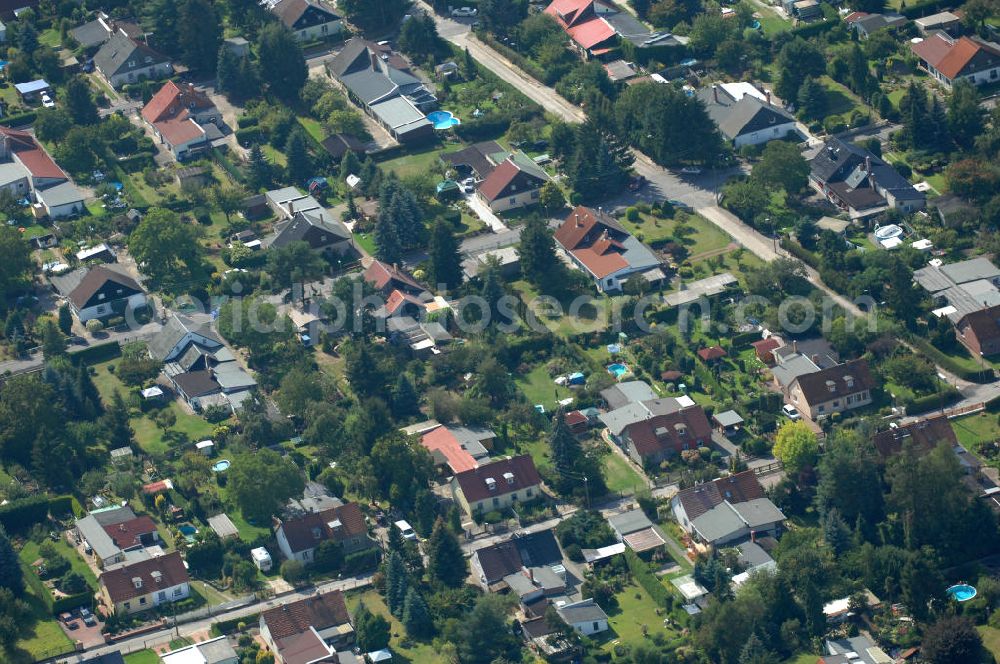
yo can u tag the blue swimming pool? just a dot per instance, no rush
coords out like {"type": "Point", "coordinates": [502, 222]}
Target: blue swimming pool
{"type": "Point", "coordinates": [961, 592]}
{"type": "Point", "coordinates": [188, 531]}
{"type": "Point", "coordinates": [443, 119]}
{"type": "Point", "coordinates": [617, 369]}
{"type": "Point", "coordinates": [220, 465]}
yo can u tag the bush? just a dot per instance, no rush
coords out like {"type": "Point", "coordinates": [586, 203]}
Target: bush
{"type": "Point", "coordinates": [246, 121]}
{"type": "Point", "coordinates": [903, 168]}
{"type": "Point", "coordinates": [61, 506]}
{"type": "Point", "coordinates": [293, 571]}
{"type": "Point", "coordinates": [19, 515]}
{"type": "Point", "coordinates": [94, 326]}
{"type": "Point", "coordinates": [632, 214]}
{"type": "Point", "coordinates": [248, 136]}
{"type": "Point", "coordinates": [645, 578]}
{"type": "Point", "coordinates": [834, 124]}
{"type": "Point", "coordinates": [360, 561]}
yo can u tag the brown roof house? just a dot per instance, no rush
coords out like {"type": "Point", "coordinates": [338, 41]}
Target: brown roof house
{"type": "Point", "coordinates": [727, 510]}
{"type": "Point", "coordinates": [819, 393]}
{"type": "Point", "coordinates": [652, 439]}
{"type": "Point", "coordinates": [966, 58]}
{"type": "Point", "coordinates": [923, 436]}
{"type": "Point", "coordinates": [309, 630]}
{"type": "Point", "coordinates": [515, 182]}
{"type": "Point", "coordinates": [100, 292]}
{"type": "Point", "coordinates": [176, 114]}
{"type": "Point", "coordinates": [498, 485]}
{"type": "Point", "coordinates": [605, 250]}
{"type": "Point", "coordinates": [299, 536]}
{"type": "Point", "coordinates": [145, 584]}
{"type": "Point", "coordinates": [979, 331]}
{"type": "Point", "coordinates": [307, 19]}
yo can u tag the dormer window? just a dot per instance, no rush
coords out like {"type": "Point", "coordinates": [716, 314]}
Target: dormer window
{"type": "Point", "coordinates": [832, 386]}
{"type": "Point", "coordinates": [100, 296]}
{"type": "Point", "coordinates": [131, 64]}
{"type": "Point", "coordinates": [849, 380]}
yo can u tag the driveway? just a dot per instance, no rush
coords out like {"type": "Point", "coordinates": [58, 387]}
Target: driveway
{"type": "Point", "coordinates": [485, 214]}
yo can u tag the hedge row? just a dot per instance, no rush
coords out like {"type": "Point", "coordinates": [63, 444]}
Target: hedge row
{"type": "Point", "coordinates": [800, 252]}
{"type": "Point", "coordinates": [645, 578]}
{"type": "Point", "coordinates": [230, 626]}
{"type": "Point", "coordinates": [931, 402]}
{"type": "Point", "coordinates": [248, 136]}
{"type": "Point", "coordinates": [813, 29]}
{"type": "Point", "coordinates": [22, 514]}
{"type": "Point", "coordinates": [95, 354]}
{"type": "Point", "coordinates": [925, 8]}
{"type": "Point", "coordinates": [20, 120]}
{"type": "Point", "coordinates": [360, 561]}
{"type": "Point", "coordinates": [744, 339]}
{"type": "Point", "coordinates": [949, 364]}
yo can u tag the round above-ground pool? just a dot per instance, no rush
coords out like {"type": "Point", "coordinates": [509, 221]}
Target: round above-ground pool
{"type": "Point", "coordinates": [443, 119]}
{"type": "Point", "coordinates": [220, 465]}
{"type": "Point", "coordinates": [617, 369]}
{"type": "Point", "coordinates": [888, 232]}
{"type": "Point", "coordinates": [961, 592]}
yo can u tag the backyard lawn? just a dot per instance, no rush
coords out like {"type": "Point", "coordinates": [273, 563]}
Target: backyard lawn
{"type": "Point", "coordinates": [839, 100]}
{"type": "Point", "coordinates": [314, 128]}
{"type": "Point", "coordinates": [142, 657]}
{"type": "Point", "coordinates": [619, 475]}
{"type": "Point", "coordinates": [539, 387]}
{"type": "Point", "coordinates": [413, 651]}
{"type": "Point", "coordinates": [703, 237]}
{"type": "Point", "coordinates": [42, 640]}
{"type": "Point", "coordinates": [635, 610]}
{"type": "Point", "coordinates": [417, 163]}
{"type": "Point", "coordinates": [991, 638]}
{"type": "Point", "coordinates": [29, 554]}
{"type": "Point", "coordinates": [975, 430]}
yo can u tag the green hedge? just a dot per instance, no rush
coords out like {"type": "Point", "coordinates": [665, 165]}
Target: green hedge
{"type": "Point", "coordinates": [230, 626]}
{"type": "Point", "coordinates": [926, 8]}
{"type": "Point", "coordinates": [136, 162]}
{"type": "Point", "coordinates": [24, 513]}
{"type": "Point", "coordinates": [20, 120]}
{"type": "Point", "coordinates": [800, 252]}
{"type": "Point", "coordinates": [645, 578]}
{"type": "Point", "coordinates": [245, 121]}
{"type": "Point", "coordinates": [95, 354]}
{"type": "Point", "coordinates": [360, 561]}
{"type": "Point", "coordinates": [813, 29]}
{"type": "Point", "coordinates": [744, 339]}
{"type": "Point", "coordinates": [248, 136]}
{"type": "Point", "coordinates": [949, 364]}
{"type": "Point", "coordinates": [61, 506]}
{"type": "Point", "coordinates": [931, 402]}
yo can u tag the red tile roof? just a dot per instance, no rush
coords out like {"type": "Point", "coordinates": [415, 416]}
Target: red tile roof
{"type": "Point", "coordinates": [737, 488]}
{"type": "Point", "coordinates": [474, 486]}
{"type": "Point", "coordinates": [951, 57]}
{"type": "Point", "coordinates": [398, 298]}
{"type": "Point", "coordinates": [31, 154]}
{"type": "Point", "coordinates": [157, 487]}
{"type": "Point", "coordinates": [305, 532]}
{"type": "Point", "coordinates": [766, 345]}
{"type": "Point", "coordinates": [179, 131]}
{"type": "Point", "coordinates": [575, 417]}
{"type": "Point", "coordinates": [173, 101]}
{"type": "Point", "coordinates": [498, 180]}
{"type": "Point", "coordinates": [443, 440]}
{"type": "Point", "coordinates": [672, 431]}
{"type": "Point", "coordinates": [383, 276]}
{"type": "Point", "coordinates": [127, 533]}
{"type": "Point", "coordinates": [592, 237]}
{"type": "Point", "coordinates": [319, 611]}
{"type": "Point", "coordinates": [713, 353]}
{"type": "Point", "coordinates": [122, 587]}
{"type": "Point", "coordinates": [581, 23]}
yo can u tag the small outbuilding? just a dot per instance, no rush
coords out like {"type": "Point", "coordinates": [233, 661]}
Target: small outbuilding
{"type": "Point", "coordinates": [262, 559]}
{"type": "Point", "coordinates": [205, 447]}
{"type": "Point", "coordinates": [728, 421]}
{"type": "Point", "coordinates": [223, 526]}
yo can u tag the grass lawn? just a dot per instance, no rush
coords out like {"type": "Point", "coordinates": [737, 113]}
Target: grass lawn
{"type": "Point", "coordinates": [804, 658]}
{"type": "Point", "coordinates": [142, 657]}
{"type": "Point", "coordinates": [938, 181]}
{"type": "Point", "coordinates": [29, 554]}
{"type": "Point", "coordinates": [211, 595]}
{"type": "Point", "coordinates": [635, 609]}
{"type": "Point", "coordinates": [590, 317]}
{"type": "Point", "coordinates": [150, 437]}
{"type": "Point", "coordinates": [417, 652]}
{"type": "Point", "coordinates": [50, 37]}
{"type": "Point", "coordinates": [539, 388]}
{"type": "Point", "coordinates": [975, 430]}
{"type": "Point", "coordinates": [366, 241]}
{"type": "Point", "coordinates": [416, 163]}
{"type": "Point", "coordinates": [770, 22]}
{"type": "Point", "coordinates": [704, 236]}
{"type": "Point", "coordinates": [273, 155]}
{"type": "Point", "coordinates": [619, 476]}
{"type": "Point", "coordinates": [314, 128]}
{"type": "Point", "coordinates": [839, 100]}
{"type": "Point", "coordinates": [44, 639]}
{"type": "Point", "coordinates": [991, 638]}
{"type": "Point", "coordinates": [896, 96]}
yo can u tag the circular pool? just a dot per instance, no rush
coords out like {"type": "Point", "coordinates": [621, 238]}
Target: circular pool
{"type": "Point", "coordinates": [220, 465]}
{"type": "Point", "coordinates": [961, 592]}
{"type": "Point", "coordinates": [443, 119]}
{"type": "Point", "coordinates": [888, 232]}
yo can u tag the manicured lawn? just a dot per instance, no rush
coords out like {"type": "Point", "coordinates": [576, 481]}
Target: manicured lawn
{"type": "Point", "coordinates": [29, 554]}
{"type": "Point", "coordinates": [839, 100]}
{"type": "Point", "coordinates": [977, 429]}
{"type": "Point", "coordinates": [589, 317]}
{"type": "Point", "coordinates": [142, 657]}
{"type": "Point", "coordinates": [804, 658]}
{"type": "Point", "coordinates": [635, 609]}
{"type": "Point", "coordinates": [991, 638]}
{"type": "Point", "coordinates": [274, 156]}
{"type": "Point", "coordinates": [417, 163]}
{"type": "Point", "coordinates": [314, 128]}
{"type": "Point", "coordinates": [938, 181]}
{"type": "Point", "coordinates": [44, 639]}
{"type": "Point", "coordinates": [49, 37]}
{"type": "Point", "coordinates": [703, 236]}
{"type": "Point", "coordinates": [896, 96]}
{"type": "Point", "coordinates": [416, 652]}
{"type": "Point", "coordinates": [770, 22]}
{"type": "Point", "coordinates": [539, 388]}
{"type": "Point", "coordinates": [366, 241]}
{"type": "Point", "coordinates": [619, 476]}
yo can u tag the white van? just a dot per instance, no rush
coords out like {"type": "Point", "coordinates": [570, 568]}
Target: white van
{"type": "Point", "coordinates": [406, 530]}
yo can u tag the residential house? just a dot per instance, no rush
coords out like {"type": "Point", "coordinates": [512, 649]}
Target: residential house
{"type": "Point", "coordinates": [979, 331]}
{"type": "Point", "coordinates": [422, 337]}
{"type": "Point", "coordinates": [752, 558]}
{"type": "Point", "coordinates": [388, 278]}
{"type": "Point", "coordinates": [381, 82]}
{"type": "Point", "coordinates": [495, 486]}
{"type": "Point", "coordinates": [516, 182]}
{"type": "Point", "coordinates": [948, 22]}
{"type": "Point", "coordinates": [855, 180]}
{"type": "Point", "coordinates": [123, 60]}
{"type": "Point", "coordinates": [337, 145]}
{"type": "Point", "coordinates": [27, 170]}
{"type": "Point", "coordinates": [492, 564]}
{"type": "Point", "coordinates": [636, 530]}
{"type": "Point", "coordinates": [627, 392]}
{"type": "Point", "coordinates": [458, 448]}
{"type": "Point", "coordinates": [665, 435]}
{"type": "Point", "coordinates": [804, 10]}
{"type": "Point", "coordinates": [298, 536]}
{"type": "Point", "coordinates": [92, 34]}
{"type": "Point", "coordinates": [136, 533]}
{"type": "Point", "coordinates": [212, 651]}
{"type": "Point", "coordinates": [819, 393]}
{"type": "Point", "coordinates": [114, 657]}
{"type": "Point", "coordinates": [145, 584]}
{"type": "Point", "coordinates": [868, 24]}
{"type": "Point", "coordinates": [745, 115]}
{"type": "Point", "coordinates": [477, 160]}
{"type": "Point", "coordinates": [960, 288]}
{"type": "Point", "coordinates": [606, 251]}
{"type": "Point", "coordinates": [308, 630]}
{"type": "Point", "coordinates": [179, 333]}
{"type": "Point", "coordinates": [584, 616]}
{"type": "Point", "coordinates": [176, 114]}
{"type": "Point", "coordinates": [507, 259]}
{"type": "Point", "coordinates": [967, 58]}
{"type": "Point", "coordinates": [90, 530]}
{"type": "Point", "coordinates": [100, 292]}
{"type": "Point", "coordinates": [305, 220]}
{"type": "Point", "coordinates": [315, 498]}
{"type": "Point", "coordinates": [598, 28]}
{"type": "Point", "coordinates": [727, 510]}
{"type": "Point", "coordinates": [308, 20]}
{"type": "Point", "coordinates": [854, 650]}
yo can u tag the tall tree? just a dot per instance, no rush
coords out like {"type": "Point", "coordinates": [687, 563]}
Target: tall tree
{"type": "Point", "coordinates": [282, 65]}
{"type": "Point", "coordinates": [487, 636]}
{"type": "Point", "coordinates": [965, 116]}
{"type": "Point", "coordinates": [372, 630]}
{"type": "Point", "coordinates": [446, 262]}
{"type": "Point", "coordinates": [372, 15]}
{"type": "Point", "coordinates": [782, 166]}
{"type": "Point", "coordinates": [79, 101]}
{"type": "Point", "coordinates": [299, 164]}
{"type": "Point", "coordinates": [405, 400]}
{"type": "Point", "coordinates": [15, 258]}
{"type": "Point", "coordinates": [397, 582]}
{"type": "Point", "coordinates": [416, 615]}
{"type": "Point", "coordinates": [388, 248]}
{"type": "Point", "coordinates": [566, 452]}
{"type": "Point", "coordinates": [53, 341]}
{"type": "Point", "coordinates": [202, 35]}
{"type": "Point", "coordinates": [537, 251]}
{"type": "Point", "coordinates": [811, 99]}
{"type": "Point", "coordinates": [798, 60]}
{"type": "Point", "coordinates": [65, 319]}
{"type": "Point", "coordinates": [952, 640]}
{"type": "Point", "coordinates": [11, 576]}
{"type": "Point", "coordinates": [259, 168]}
{"type": "Point", "coordinates": [262, 482]}
{"type": "Point", "coordinates": [447, 562]}
{"type": "Point", "coordinates": [163, 16]}
{"type": "Point", "coordinates": [795, 445]}
{"type": "Point", "coordinates": [166, 247]}
{"type": "Point", "coordinates": [500, 16]}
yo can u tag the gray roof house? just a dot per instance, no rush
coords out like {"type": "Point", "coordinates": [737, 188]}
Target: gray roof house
{"type": "Point", "coordinates": [584, 616]}
{"type": "Point", "coordinates": [122, 60]}
{"type": "Point", "coordinates": [631, 391]}
{"type": "Point", "coordinates": [314, 227]}
{"type": "Point", "coordinates": [745, 115]}
{"type": "Point", "coordinates": [961, 288]}
{"type": "Point", "coordinates": [636, 530]}
{"type": "Point", "coordinates": [862, 184]}
{"type": "Point", "coordinates": [855, 650]}
{"type": "Point", "coordinates": [90, 529]}
{"type": "Point", "coordinates": [381, 83]}
{"type": "Point", "coordinates": [867, 25]}
{"type": "Point", "coordinates": [308, 19]}
{"type": "Point", "coordinates": [178, 334]}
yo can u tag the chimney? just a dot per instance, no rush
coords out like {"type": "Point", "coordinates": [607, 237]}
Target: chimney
{"type": "Point", "coordinates": [767, 95]}
{"type": "Point", "coordinates": [579, 224]}
{"type": "Point", "coordinates": [815, 359]}
{"type": "Point", "coordinates": [795, 346]}
{"type": "Point", "coordinates": [868, 164]}
{"type": "Point", "coordinates": [291, 207]}
{"type": "Point", "coordinates": [715, 93]}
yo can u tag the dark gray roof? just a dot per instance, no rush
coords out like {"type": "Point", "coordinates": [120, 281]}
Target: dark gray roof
{"type": "Point", "coordinates": [295, 229]}
{"type": "Point", "coordinates": [838, 160]}
{"type": "Point", "coordinates": [752, 555]}
{"type": "Point", "coordinates": [581, 612]}
{"type": "Point", "coordinates": [114, 56]}
{"type": "Point", "coordinates": [630, 522]}
{"type": "Point", "coordinates": [632, 391]}
{"type": "Point", "coordinates": [628, 27]}
{"type": "Point", "coordinates": [748, 114]}
{"type": "Point", "coordinates": [91, 33]}
{"type": "Point", "coordinates": [176, 327]}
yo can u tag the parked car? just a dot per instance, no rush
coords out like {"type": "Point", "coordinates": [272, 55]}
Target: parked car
{"type": "Point", "coordinates": [72, 624]}
{"type": "Point", "coordinates": [680, 205]}
{"type": "Point", "coordinates": [406, 530]}
{"type": "Point", "coordinates": [691, 170]}
{"type": "Point", "coordinates": [464, 12]}
{"type": "Point", "coordinates": [47, 101]}
{"type": "Point", "coordinates": [66, 617]}
{"type": "Point", "coordinates": [791, 412]}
